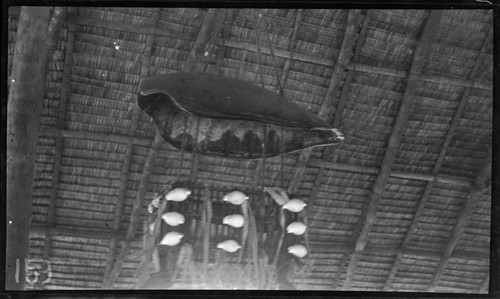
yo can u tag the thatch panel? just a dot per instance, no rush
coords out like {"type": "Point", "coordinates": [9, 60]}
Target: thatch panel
{"type": "Point", "coordinates": [114, 70]}
{"type": "Point", "coordinates": [121, 43]}
{"type": "Point", "coordinates": [450, 61]}
{"type": "Point", "coordinates": [399, 20]}
{"type": "Point", "coordinates": [464, 29]}
{"type": "Point", "coordinates": [81, 211]}
{"type": "Point", "coordinates": [383, 49]}
{"type": "Point", "coordinates": [136, 16]}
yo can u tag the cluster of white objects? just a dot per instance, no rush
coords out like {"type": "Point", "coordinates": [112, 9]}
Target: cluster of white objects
{"type": "Point", "coordinates": [294, 205]}
{"type": "Point", "coordinates": [171, 218]}
{"type": "Point", "coordinates": [234, 220]}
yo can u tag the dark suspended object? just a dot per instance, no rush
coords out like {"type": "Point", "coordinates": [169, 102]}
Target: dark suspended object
{"type": "Point", "coordinates": [225, 117]}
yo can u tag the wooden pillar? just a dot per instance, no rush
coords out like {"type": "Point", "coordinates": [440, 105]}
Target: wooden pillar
{"type": "Point", "coordinates": [23, 109]}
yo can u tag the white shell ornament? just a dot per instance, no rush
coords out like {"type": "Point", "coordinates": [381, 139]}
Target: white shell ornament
{"type": "Point", "coordinates": [173, 218]}
{"type": "Point", "coordinates": [235, 220]}
{"type": "Point", "coordinates": [298, 250]}
{"type": "Point", "coordinates": [295, 205]}
{"type": "Point", "coordinates": [171, 238]}
{"type": "Point", "coordinates": [178, 194]}
{"type": "Point", "coordinates": [296, 228]}
{"type": "Point", "coordinates": [235, 197]}
{"type": "Point", "coordinates": [229, 246]}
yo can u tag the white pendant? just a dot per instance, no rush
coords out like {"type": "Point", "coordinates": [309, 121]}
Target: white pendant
{"type": "Point", "coordinates": [171, 238]}
{"type": "Point", "coordinates": [296, 228]}
{"type": "Point", "coordinates": [235, 220]}
{"type": "Point", "coordinates": [235, 197]}
{"type": "Point", "coordinates": [295, 205]}
{"type": "Point", "coordinates": [178, 194]}
{"type": "Point", "coordinates": [298, 250]}
{"type": "Point", "coordinates": [173, 218]}
{"type": "Point", "coordinates": [229, 246]}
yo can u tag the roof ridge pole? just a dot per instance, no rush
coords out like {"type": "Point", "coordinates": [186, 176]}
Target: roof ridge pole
{"type": "Point", "coordinates": [439, 161]}
{"type": "Point", "coordinates": [24, 105]}
{"type": "Point", "coordinates": [368, 216]}
{"type": "Point", "coordinates": [465, 214]}
{"type": "Point", "coordinates": [122, 191]}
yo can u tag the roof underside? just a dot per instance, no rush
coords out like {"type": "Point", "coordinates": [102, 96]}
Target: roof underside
{"type": "Point", "coordinates": [403, 204]}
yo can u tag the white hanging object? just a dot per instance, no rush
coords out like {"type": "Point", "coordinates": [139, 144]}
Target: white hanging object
{"type": "Point", "coordinates": [178, 194]}
{"type": "Point", "coordinates": [278, 195]}
{"type": "Point", "coordinates": [173, 218]}
{"type": "Point", "coordinates": [296, 228]}
{"type": "Point", "coordinates": [298, 250]}
{"type": "Point", "coordinates": [235, 220]}
{"type": "Point", "coordinates": [229, 246]}
{"type": "Point", "coordinates": [235, 197]}
{"type": "Point", "coordinates": [171, 238]}
{"type": "Point", "coordinates": [295, 205]}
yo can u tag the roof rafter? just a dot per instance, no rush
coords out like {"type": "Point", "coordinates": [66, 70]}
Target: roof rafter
{"type": "Point", "coordinates": [368, 216]}
{"type": "Point", "coordinates": [120, 200]}
{"type": "Point", "coordinates": [343, 57]}
{"type": "Point", "coordinates": [465, 214]}
{"type": "Point", "coordinates": [439, 161]}
{"type": "Point", "coordinates": [61, 117]}
{"type": "Point", "coordinates": [205, 34]}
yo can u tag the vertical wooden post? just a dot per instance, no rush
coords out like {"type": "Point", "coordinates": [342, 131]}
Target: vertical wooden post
{"type": "Point", "coordinates": [23, 110]}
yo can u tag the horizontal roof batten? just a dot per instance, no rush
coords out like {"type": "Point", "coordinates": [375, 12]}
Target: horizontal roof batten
{"type": "Point", "coordinates": [46, 131]}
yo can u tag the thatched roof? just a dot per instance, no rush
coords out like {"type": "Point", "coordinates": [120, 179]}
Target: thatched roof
{"type": "Point", "coordinates": [403, 204]}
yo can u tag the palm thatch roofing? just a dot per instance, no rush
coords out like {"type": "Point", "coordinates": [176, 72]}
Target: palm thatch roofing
{"type": "Point", "coordinates": [403, 204]}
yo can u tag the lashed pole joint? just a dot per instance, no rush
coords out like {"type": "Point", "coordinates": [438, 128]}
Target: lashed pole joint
{"type": "Point", "coordinates": [368, 216]}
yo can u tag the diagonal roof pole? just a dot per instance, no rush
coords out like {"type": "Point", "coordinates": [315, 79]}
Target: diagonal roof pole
{"type": "Point", "coordinates": [24, 108]}
{"type": "Point", "coordinates": [121, 196]}
{"type": "Point", "coordinates": [324, 112]}
{"type": "Point", "coordinates": [367, 218]}
{"type": "Point", "coordinates": [204, 37]}
{"type": "Point", "coordinates": [475, 71]}
{"type": "Point", "coordinates": [465, 214]}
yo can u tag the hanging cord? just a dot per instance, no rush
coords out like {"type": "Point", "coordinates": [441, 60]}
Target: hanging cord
{"type": "Point", "coordinates": [259, 57]}
{"type": "Point", "coordinates": [183, 147]}
{"type": "Point", "coordinates": [262, 24]}
{"type": "Point", "coordinates": [205, 60]}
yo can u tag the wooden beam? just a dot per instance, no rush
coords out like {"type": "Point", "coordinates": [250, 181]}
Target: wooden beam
{"type": "Point", "coordinates": [120, 200]}
{"type": "Point", "coordinates": [368, 216]}
{"type": "Point", "coordinates": [345, 54]}
{"type": "Point", "coordinates": [74, 232]}
{"type": "Point", "coordinates": [465, 214]}
{"type": "Point", "coordinates": [445, 179]}
{"type": "Point", "coordinates": [291, 47]}
{"type": "Point", "coordinates": [61, 118]}
{"type": "Point", "coordinates": [54, 132]}
{"type": "Point", "coordinates": [24, 108]}
{"type": "Point", "coordinates": [439, 161]}
{"type": "Point", "coordinates": [203, 38]}
{"type": "Point", "coordinates": [427, 78]}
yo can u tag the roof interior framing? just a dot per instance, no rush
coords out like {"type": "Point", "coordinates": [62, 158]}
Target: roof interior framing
{"type": "Point", "coordinates": [344, 67]}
